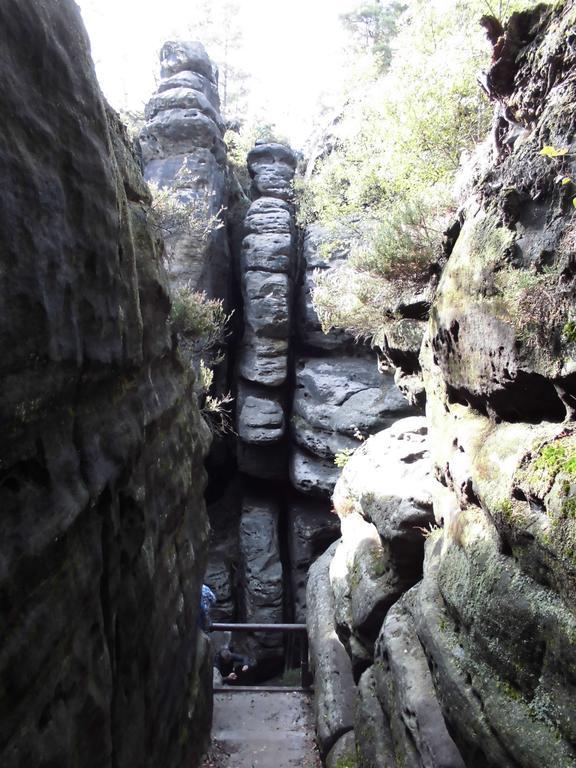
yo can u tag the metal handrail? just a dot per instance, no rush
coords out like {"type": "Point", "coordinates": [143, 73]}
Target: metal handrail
{"type": "Point", "coordinates": [305, 675]}
{"type": "Point", "coordinates": [258, 627]}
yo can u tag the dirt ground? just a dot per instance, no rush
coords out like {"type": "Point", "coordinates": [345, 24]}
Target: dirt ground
{"type": "Point", "coordinates": [262, 730]}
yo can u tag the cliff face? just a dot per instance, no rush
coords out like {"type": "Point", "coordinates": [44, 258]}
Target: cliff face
{"type": "Point", "coordinates": [300, 397]}
{"type": "Point", "coordinates": [101, 447]}
{"type": "Point", "coordinates": [474, 665]}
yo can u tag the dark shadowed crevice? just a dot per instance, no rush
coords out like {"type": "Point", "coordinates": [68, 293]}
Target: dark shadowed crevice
{"type": "Point", "coordinates": [529, 397]}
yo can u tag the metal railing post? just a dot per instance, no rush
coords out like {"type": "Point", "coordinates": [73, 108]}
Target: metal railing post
{"type": "Point", "coordinates": [305, 676]}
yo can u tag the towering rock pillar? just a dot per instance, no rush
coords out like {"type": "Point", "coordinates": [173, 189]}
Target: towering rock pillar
{"type": "Point", "coordinates": [184, 153]}
{"type": "Point", "coordinates": [268, 260]}
{"type": "Point", "coordinates": [183, 150]}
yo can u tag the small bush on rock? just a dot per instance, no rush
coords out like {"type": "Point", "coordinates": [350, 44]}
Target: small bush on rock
{"type": "Point", "coordinates": [390, 161]}
{"type": "Point", "coordinates": [198, 318]}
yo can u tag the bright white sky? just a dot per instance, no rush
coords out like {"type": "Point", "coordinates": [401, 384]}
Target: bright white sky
{"type": "Point", "coordinates": [293, 50]}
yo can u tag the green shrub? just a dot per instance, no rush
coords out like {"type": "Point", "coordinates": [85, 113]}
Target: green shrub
{"type": "Point", "coordinates": [176, 213]}
{"type": "Point", "coordinates": [197, 317]}
{"type": "Point", "coordinates": [569, 332]}
{"type": "Point", "coordinates": [395, 148]}
{"type": "Point", "coordinates": [202, 325]}
{"type": "Point", "coordinates": [342, 457]}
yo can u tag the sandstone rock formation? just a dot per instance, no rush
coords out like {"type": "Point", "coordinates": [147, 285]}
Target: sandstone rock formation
{"type": "Point", "coordinates": [183, 153]}
{"type": "Point", "coordinates": [340, 397]}
{"type": "Point", "coordinates": [101, 476]}
{"type": "Point", "coordinates": [183, 150]}
{"type": "Point", "coordinates": [261, 573]}
{"type": "Point", "coordinates": [335, 399]}
{"type": "Point", "coordinates": [267, 264]}
{"type": "Point", "coordinates": [334, 684]}
{"type": "Point", "coordinates": [311, 529]}
{"type": "Point", "coordinates": [310, 333]}
{"type": "Point", "coordinates": [301, 397]}
{"type": "Point", "coordinates": [268, 261]}
{"type": "Point", "coordinates": [473, 665]}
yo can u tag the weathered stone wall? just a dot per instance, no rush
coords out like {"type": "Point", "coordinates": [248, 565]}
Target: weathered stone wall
{"type": "Point", "coordinates": [474, 665]}
{"type": "Point", "coordinates": [301, 396]}
{"type": "Point", "coordinates": [340, 398]}
{"type": "Point", "coordinates": [184, 153]}
{"type": "Point", "coordinates": [101, 447]}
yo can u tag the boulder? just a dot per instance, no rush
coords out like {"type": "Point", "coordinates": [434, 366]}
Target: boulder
{"type": "Point", "coordinates": [310, 474]}
{"type": "Point", "coordinates": [390, 480]}
{"type": "Point", "coordinates": [384, 500]}
{"type": "Point", "coordinates": [364, 580]}
{"type": "Point", "coordinates": [339, 398]}
{"type": "Point", "coordinates": [334, 689]}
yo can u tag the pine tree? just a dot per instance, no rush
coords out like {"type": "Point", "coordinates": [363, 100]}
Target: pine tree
{"type": "Point", "coordinates": [374, 25]}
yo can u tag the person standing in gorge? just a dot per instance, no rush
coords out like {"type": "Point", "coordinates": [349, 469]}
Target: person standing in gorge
{"type": "Point", "coordinates": [207, 600]}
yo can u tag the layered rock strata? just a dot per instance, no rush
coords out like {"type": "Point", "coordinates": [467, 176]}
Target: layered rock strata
{"type": "Point", "coordinates": [183, 151]}
{"type": "Point", "coordinates": [266, 275]}
{"type": "Point", "coordinates": [473, 665]}
{"type": "Point", "coordinates": [267, 268]}
{"type": "Point", "coordinates": [184, 155]}
{"type": "Point", "coordinates": [301, 397]}
{"type": "Point", "coordinates": [340, 398]}
{"type": "Point", "coordinates": [337, 401]}
{"type": "Point", "coordinates": [101, 448]}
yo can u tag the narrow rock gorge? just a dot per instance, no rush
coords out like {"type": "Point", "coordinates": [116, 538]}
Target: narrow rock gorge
{"type": "Point", "coordinates": [411, 498]}
{"type": "Point", "coordinates": [300, 396]}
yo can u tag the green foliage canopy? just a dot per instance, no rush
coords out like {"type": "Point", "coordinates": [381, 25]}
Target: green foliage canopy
{"type": "Point", "coordinates": [396, 147]}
